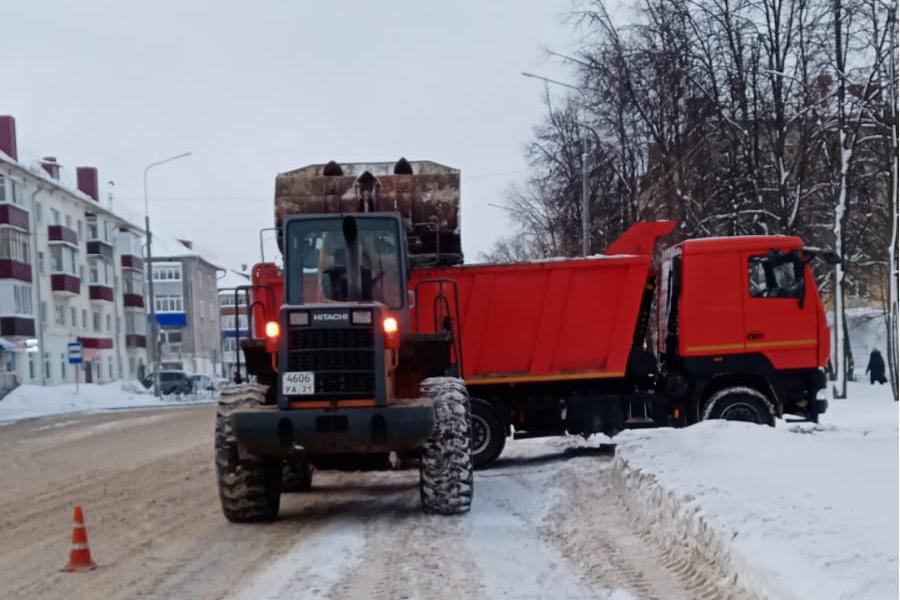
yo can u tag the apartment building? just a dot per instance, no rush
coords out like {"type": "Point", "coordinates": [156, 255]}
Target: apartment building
{"type": "Point", "coordinates": [70, 270]}
{"type": "Point", "coordinates": [233, 321]}
{"type": "Point", "coordinates": [185, 301]}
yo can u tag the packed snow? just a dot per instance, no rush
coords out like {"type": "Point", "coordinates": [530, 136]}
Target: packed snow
{"type": "Point", "coordinates": [806, 511]}
{"type": "Point", "coordinates": [33, 401]}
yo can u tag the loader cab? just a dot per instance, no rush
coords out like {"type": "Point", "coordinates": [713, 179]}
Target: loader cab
{"type": "Point", "coordinates": [345, 259]}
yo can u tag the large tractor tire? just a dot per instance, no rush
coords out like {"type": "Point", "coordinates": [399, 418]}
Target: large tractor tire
{"type": "Point", "coordinates": [488, 433]}
{"type": "Point", "coordinates": [446, 474]}
{"type": "Point", "coordinates": [740, 404]}
{"type": "Point", "coordinates": [296, 475]}
{"type": "Point", "coordinates": [249, 486]}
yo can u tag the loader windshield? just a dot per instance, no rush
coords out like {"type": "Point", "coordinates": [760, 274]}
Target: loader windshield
{"type": "Point", "coordinates": [318, 261]}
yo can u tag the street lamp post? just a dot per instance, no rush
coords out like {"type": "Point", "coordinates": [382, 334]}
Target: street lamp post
{"type": "Point", "coordinates": [585, 193]}
{"type": "Point", "coordinates": [154, 327]}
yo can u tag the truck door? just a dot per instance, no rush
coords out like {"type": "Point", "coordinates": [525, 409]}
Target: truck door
{"type": "Point", "coordinates": [780, 319]}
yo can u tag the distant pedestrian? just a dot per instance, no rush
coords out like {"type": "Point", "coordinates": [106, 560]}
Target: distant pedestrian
{"type": "Point", "coordinates": [876, 367]}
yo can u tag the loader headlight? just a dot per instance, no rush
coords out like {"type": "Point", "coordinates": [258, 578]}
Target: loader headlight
{"type": "Point", "coordinates": [361, 317]}
{"type": "Point", "coordinates": [300, 317]}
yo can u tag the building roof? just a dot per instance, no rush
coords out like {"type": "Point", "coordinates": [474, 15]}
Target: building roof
{"type": "Point", "coordinates": [232, 279]}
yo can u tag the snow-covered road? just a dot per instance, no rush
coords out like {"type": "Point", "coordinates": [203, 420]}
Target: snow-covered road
{"type": "Point", "coordinates": [718, 510]}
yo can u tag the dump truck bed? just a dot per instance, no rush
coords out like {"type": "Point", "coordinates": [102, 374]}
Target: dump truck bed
{"type": "Point", "coordinates": [537, 321]}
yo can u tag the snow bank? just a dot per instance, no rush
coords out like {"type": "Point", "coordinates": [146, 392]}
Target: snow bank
{"type": "Point", "coordinates": [31, 401]}
{"type": "Point", "coordinates": [798, 511]}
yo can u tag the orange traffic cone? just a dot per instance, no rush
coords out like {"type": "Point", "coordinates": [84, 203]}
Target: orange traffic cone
{"type": "Point", "coordinates": [80, 555]}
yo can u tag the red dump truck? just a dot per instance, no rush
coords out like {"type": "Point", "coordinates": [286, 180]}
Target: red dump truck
{"type": "Point", "coordinates": [562, 346]}
{"type": "Point", "coordinates": [373, 339]}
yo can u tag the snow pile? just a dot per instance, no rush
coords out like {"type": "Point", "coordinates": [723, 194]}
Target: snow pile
{"type": "Point", "coordinates": [798, 511]}
{"type": "Point", "coordinates": [31, 401]}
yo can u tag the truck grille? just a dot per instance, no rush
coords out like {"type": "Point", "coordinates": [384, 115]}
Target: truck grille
{"type": "Point", "coordinates": [343, 360]}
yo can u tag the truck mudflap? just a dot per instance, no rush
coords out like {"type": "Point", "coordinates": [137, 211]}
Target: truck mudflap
{"type": "Point", "coordinates": [268, 431]}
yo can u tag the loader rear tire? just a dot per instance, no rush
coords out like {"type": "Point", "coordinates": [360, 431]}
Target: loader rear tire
{"type": "Point", "coordinates": [296, 476]}
{"type": "Point", "coordinates": [446, 473]}
{"type": "Point", "coordinates": [249, 486]}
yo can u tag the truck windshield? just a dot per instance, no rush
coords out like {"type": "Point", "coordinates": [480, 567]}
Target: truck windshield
{"type": "Point", "coordinates": [317, 261]}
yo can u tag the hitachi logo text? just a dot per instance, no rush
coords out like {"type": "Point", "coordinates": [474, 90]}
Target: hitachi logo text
{"type": "Point", "coordinates": [330, 316]}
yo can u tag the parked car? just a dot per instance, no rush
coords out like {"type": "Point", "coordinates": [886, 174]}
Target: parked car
{"type": "Point", "coordinates": [171, 382]}
{"type": "Point", "coordinates": [202, 383]}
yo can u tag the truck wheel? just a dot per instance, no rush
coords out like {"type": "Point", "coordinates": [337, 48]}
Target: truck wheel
{"type": "Point", "coordinates": [740, 404]}
{"type": "Point", "coordinates": [488, 433]}
{"type": "Point", "coordinates": [446, 474]}
{"type": "Point", "coordinates": [296, 475]}
{"type": "Point", "coordinates": [249, 487]}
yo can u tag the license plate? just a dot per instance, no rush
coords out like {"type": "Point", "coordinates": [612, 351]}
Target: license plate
{"type": "Point", "coordinates": [298, 383]}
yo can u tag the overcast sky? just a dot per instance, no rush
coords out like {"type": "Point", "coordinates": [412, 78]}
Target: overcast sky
{"type": "Point", "coordinates": [257, 88]}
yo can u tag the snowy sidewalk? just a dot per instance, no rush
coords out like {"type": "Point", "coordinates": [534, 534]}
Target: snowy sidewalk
{"type": "Point", "coordinates": [32, 401]}
{"type": "Point", "coordinates": [804, 511]}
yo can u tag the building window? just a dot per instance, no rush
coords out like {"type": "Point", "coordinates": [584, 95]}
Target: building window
{"type": "Point", "coordinates": [166, 271]}
{"type": "Point", "coordinates": [14, 245]}
{"type": "Point", "coordinates": [68, 222]}
{"type": "Point", "coordinates": [74, 315]}
{"type": "Point", "coordinates": [38, 212]}
{"type": "Point", "coordinates": [47, 365]}
{"type": "Point", "coordinates": [108, 323]}
{"type": "Point", "coordinates": [63, 359]}
{"type": "Point", "coordinates": [63, 259]}
{"type": "Point", "coordinates": [109, 361]}
{"type": "Point", "coordinates": [54, 217]}
{"type": "Point", "coordinates": [168, 303]}
{"type": "Point", "coordinates": [22, 299]}
{"type": "Point", "coordinates": [41, 265]}
{"type": "Point", "coordinates": [80, 229]}
{"type": "Point", "coordinates": [92, 227]}
{"type": "Point", "coordinates": [96, 321]}
{"type": "Point", "coordinates": [98, 269]}
{"type": "Point", "coordinates": [133, 283]}
{"type": "Point", "coordinates": [84, 319]}
{"type": "Point", "coordinates": [10, 191]}
{"type": "Point", "coordinates": [135, 323]}
{"type": "Point", "coordinates": [59, 314]}
{"type": "Point", "coordinates": [43, 312]}
{"type": "Point", "coordinates": [32, 367]}
{"type": "Point", "coordinates": [228, 322]}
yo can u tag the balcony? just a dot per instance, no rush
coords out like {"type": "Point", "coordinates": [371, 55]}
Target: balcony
{"type": "Point", "coordinates": [130, 261]}
{"type": "Point", "coordinates": [100, 248]}
{"type": "Point", "coordinates": [59, 234]}
{"type": "Point", "coordinates": [13, 269]}
{"type": "Point", "coordinates": [132, 301]}
{"type": "Point", "coordinates": [65, 285]}
{"type": "Point", "coordinates": [96, 343]}
{"type": "Point", "coordinates": [17, 326]}
{"type": "Point", "coordinates": [133, 340]}
{"type": "Point", "coordinates": [102, 293]}
{"type": "Point", "coordinates": [13, 215]}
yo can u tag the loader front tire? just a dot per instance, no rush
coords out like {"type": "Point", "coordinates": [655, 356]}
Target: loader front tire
{"type": "Point", "coordinates": [446, 475]}
{"type": "Point", "coordinates": [249, 486]}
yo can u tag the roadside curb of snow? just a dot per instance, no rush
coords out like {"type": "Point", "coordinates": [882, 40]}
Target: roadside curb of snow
{"type": "Point", "coordinates": [677, 527]}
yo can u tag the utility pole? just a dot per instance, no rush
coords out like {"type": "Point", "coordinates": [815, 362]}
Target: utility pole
{"type": "Point", "coordinates": [585, 156]}
{"type": "Point", "coordinates": [154, 327]}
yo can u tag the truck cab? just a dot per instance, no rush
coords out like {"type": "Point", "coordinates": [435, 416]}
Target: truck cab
{"type": "Point", "coordinates": [742, 311]}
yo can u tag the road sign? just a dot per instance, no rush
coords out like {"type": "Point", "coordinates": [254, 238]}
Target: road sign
{"type": "Point", "coordinates": [75, 353]}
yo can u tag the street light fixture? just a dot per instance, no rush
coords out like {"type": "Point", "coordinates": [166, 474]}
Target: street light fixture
{"type": "Point", "coordinates": [585, 200]}
{"type": "Point", "coordinates": [154, 327]}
